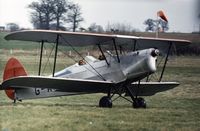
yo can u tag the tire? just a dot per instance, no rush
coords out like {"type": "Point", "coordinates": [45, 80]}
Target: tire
{"type": "Point", "coordinates": [139, 103]}
{"type": "Point", "coordinates": [105, 102]}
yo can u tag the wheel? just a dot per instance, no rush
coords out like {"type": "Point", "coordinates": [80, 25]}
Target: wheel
{"type": "Point", "coordinates": [142, 103]}
{"type": "Point", "coordinates": [105, 102]}
{"type": "Point", "coordinates": [139, 103]}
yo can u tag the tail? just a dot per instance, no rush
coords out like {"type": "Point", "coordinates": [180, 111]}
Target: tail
{"type": "Point", "coordinates": [12, 69]}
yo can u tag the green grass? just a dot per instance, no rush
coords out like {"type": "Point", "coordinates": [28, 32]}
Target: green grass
{"type": "Point", "coordinates": [82, 113]}
{"type": "Point", "coordinates": [15, 44]}
{"type": "Point", "coordinates": [176, 109]}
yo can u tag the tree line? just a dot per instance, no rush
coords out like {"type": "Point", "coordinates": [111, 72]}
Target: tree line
{"type": "Point", "coordinates": [66, 15]}
{"type": "Point", "coordinates": [53, 14]}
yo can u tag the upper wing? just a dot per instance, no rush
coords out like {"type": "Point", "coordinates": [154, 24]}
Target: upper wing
{"type": "Point", "coordinates": [83, 39]}
{"type": "Point", "coordinates": [151, 88]}
{"type": "Point", "coordinates": [60, 84]}
{"type": "Point", "coordinates": [74, 38]}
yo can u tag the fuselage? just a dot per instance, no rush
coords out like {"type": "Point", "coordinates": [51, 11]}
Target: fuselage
{"type": "Point", "coordinates": [132, 67]}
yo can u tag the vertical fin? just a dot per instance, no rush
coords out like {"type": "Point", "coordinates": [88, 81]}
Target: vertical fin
{"type": "Point", "coordinates": [13, 68]}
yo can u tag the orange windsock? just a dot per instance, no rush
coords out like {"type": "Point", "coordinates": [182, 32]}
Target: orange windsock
{"type": "Point", "coordinates": [162, 15]}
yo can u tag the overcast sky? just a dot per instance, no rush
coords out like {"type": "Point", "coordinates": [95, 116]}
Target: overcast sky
{"type": "Point", "coordinates": [182, 14]}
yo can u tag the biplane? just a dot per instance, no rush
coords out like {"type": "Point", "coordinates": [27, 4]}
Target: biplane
{"type": "Point", "coordinates": [116, 73]}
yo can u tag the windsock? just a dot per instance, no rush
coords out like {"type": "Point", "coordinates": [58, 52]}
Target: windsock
{"type": "Point", "coordinates": [162, 15]}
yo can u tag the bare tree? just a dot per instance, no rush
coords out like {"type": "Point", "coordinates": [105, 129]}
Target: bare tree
{"type": "Point", "coordinates": [60, 8]}
{"type": "Point", "coordinates": [47, 7]}
{"type": "Point", "coordinates": [95, 28]}
{"type": "Point", "coordinates": [151, 25]}
{"type": "Point", "coordinates": [74, 16]}
{"type": "Point", "coordinates": [12, 26]}
{"type": "Point", "coordinates": [42, 13]}
{"type": "Point", "coordinates": [55, 26]}
{"type": "Point", "coordinates": [164, 26]}
{"type": "Point", "coordinates": [46, 12]}
{"type": "Point", "coordinates": [119, 28]}
{"type": "Point", "coordinates": [37, 17]}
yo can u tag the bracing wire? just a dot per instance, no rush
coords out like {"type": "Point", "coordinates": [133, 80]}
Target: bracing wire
{"type": "Point", "coordinates": [74, 59]}
{"type": "Point", "coordinates": [83, 59]}
{"type": "Point", "coordinates": [36, 57]}
{"type": "Point", "coordinates": [48, 59]}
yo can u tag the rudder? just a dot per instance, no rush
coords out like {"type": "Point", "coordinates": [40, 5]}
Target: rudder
{"type": "Point", "coordinates": [12, 69]}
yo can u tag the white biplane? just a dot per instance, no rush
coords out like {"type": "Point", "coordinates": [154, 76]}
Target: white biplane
{"type": "Point", "coordinates": [114, 73]}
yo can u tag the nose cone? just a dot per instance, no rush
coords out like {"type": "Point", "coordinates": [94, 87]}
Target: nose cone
{"type": "Point", "coordinates": [155, 53]}
{"type": "Point", "coordinates": [142, 64]}
{"type": "Point", "coordinates": [151, 64]}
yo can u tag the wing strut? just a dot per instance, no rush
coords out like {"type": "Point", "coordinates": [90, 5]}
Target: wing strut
{"type": "Point", "coordinates": [41, 52]}
{"type": "Point", "coordinates": [166, 59]}
{"type": "Point", "coordinates": [135, 44]}
{"type": "Point", "coordinates": [114, 42]}
{"type": "Point", "coordinates": [55, 56]}
{"type": "Point", "coordinates": [103, 54]}
{"type": "Point", "coordinates": [37, 91]}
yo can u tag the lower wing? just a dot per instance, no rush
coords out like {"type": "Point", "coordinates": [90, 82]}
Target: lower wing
{"type": "Point", "coordinates": [83, 86]}
{"type": "Point", "coordinates": [60, 84]}
{"type": "Point", "coordinates": [151, 88]}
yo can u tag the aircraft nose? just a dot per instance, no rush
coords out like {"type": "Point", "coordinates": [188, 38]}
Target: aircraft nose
{"type": "Point", "coordinates": [155, 52]}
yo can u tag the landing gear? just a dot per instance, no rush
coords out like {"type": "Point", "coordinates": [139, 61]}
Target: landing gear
{"type": "Point", "coordinates": [105, 102]}
{"type": "Point", "coordinates": [139, 103]}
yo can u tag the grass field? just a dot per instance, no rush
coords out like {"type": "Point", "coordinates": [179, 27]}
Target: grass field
{"type": "Point", "coordinates": [176, 109]}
